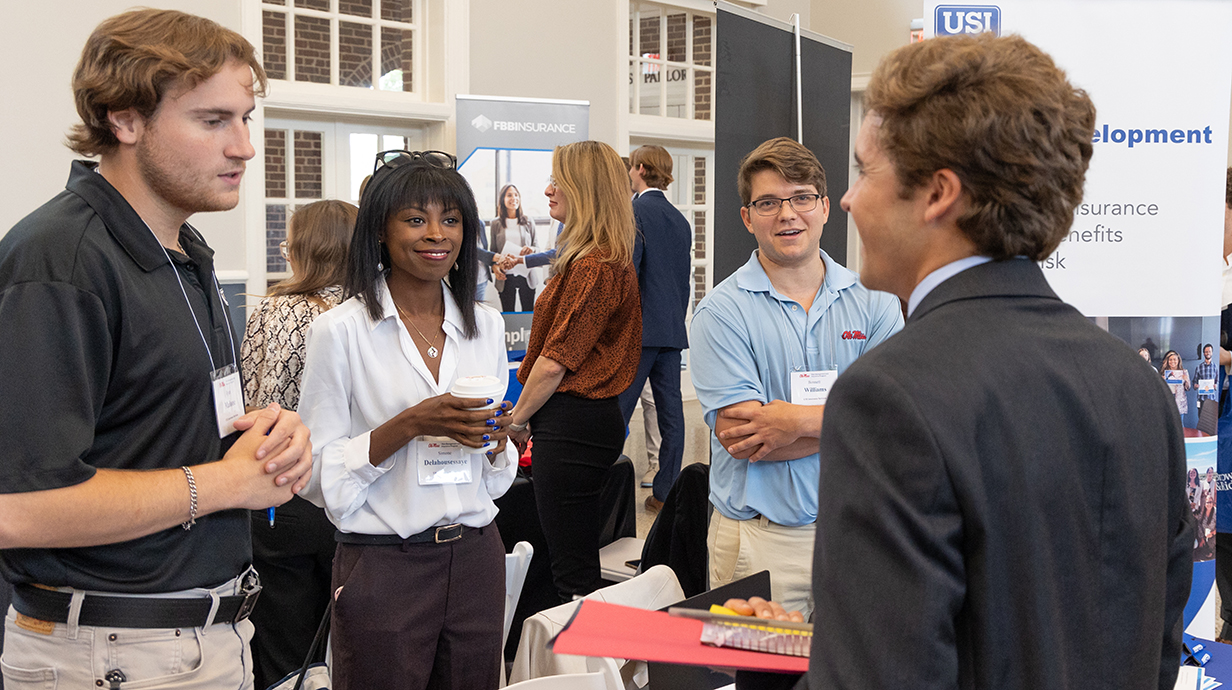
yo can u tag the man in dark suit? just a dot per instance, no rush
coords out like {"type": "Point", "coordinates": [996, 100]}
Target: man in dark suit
{"type": "Point", "coordinates": [1005, 480]}
{"type": "Point", "coordinates": [664, 267]}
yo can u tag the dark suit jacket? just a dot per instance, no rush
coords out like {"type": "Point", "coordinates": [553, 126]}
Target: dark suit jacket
{"type": "Point", "coordinates": [1003, 502]}
{"type": "Point", "coordinates": [664, 268]}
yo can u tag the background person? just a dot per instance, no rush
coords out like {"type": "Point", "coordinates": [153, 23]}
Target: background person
{"type": "Point", "coordinates": [583, 351]}
{"type": "Point", "coordinates": [1207, 370]}
{"type": "Point", "coordinates": [513, 235]}
{"type": "Point", "coordinates": [1172, 363]}
{"type": "Point", "coordinates": [418, 570]}
{"type": "Point", "coordinates": [295, 555]}
{"type": "Point", "coordinates": [663, 260]}
{"type": "Point", "coordinates": [124, 518]}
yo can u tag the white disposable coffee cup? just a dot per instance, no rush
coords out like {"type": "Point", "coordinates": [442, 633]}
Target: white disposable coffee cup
{"type": "Point", "coordinates": [486, 387]}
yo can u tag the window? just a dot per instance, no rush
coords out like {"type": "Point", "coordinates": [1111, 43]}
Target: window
{"type": "Point", "coordinates": [307, 161]}
{"type": "Point", "coordinates": [368, 44]}
{"type": "Point", "coordinates": [670, 66]}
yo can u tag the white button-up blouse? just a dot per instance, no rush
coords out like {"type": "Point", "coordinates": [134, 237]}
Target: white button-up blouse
{"type": "Point", "coordinates": [359, 374]}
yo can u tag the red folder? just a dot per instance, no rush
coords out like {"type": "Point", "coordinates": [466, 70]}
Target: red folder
{"type": "Point", "coordinates": [602, 629]}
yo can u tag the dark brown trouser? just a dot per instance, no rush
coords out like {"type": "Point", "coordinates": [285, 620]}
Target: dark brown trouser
{"type": "Point", "coordinates": [418, 616]}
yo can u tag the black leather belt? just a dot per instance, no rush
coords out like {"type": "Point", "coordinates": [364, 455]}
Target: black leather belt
{"type": "Point", "coordinates": [435, 535]}
{"type": "Point", "coordinates": [132, 612]}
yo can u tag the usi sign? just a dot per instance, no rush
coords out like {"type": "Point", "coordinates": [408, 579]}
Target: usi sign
{"type": "Point", "coordinates": [951, 20]}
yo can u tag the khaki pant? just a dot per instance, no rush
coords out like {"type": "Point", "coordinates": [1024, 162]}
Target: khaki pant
{"type": "Point", "coordinates": [739, 548]}
{"type": "Point", "coordinates": [59, 655]}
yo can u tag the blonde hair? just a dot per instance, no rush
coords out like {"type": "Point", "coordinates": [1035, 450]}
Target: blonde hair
{"type": "Point", "coordinates": [600, 220]}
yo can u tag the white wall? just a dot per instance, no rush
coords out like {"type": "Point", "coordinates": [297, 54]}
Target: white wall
{"type": "Point", "coordinates": [556, 49]}
{"type": "Point", "coordinates": [40, 43]}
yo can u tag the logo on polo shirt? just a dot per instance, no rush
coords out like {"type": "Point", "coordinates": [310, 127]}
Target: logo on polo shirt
{"type": "Point", "coordinates": [854, 335]}
{"type": "Point", "coordinates": [951, 20]}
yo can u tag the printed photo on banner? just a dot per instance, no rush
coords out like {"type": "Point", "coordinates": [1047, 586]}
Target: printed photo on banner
{"type": "Point", "coordinates": [518, 232]}
{"type": "Point", "coordinates": [1182, 350]}
{"type": "Point", "coordinates": [1200, 485]}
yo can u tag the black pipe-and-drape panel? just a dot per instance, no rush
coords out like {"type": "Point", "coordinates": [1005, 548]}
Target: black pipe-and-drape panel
{"type": "Point", "coordinates": [755, 100]}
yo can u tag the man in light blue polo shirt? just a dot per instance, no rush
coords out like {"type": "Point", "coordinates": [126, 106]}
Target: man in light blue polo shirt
{"type": "Point", "coordinates": [767, 344]}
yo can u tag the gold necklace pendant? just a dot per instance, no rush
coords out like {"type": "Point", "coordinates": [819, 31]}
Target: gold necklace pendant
{"type": "Point", "coordinates": [432, 351]}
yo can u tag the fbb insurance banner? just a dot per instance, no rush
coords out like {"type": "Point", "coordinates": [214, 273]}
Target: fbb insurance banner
{"type": "Point", "coordinates": [1144, 256]}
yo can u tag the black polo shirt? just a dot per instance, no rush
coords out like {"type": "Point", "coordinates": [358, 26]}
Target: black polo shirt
{"type": "Point", "coordinates": [102, 366]}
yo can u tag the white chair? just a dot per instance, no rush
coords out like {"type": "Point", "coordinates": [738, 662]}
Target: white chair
{"type": "Point", "coordinates": [651, 590]}
{"type": "Point", "coordinates": [603, 675]}
{"type": "Point", "coordinates": [516, 564]}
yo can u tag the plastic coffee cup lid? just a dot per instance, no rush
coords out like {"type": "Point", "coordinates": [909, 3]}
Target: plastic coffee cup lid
{"type": "Point", "coordinates": [478, 387]}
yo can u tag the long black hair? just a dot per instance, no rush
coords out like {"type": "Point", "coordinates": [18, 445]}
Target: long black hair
{"type": "Point", "coordinates": [391, 190]}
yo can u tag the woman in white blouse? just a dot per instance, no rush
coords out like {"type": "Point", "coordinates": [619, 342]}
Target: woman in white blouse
{"type": "Point", "coordinates": [512, 232]}
{"type": "Point", "coordinates": [294, 557]}
{"type": "Point", "coordinates": [418, 574]}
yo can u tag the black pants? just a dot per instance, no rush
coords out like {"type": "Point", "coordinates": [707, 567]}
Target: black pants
{"type": "Point", "coordinates": [422, 615]}
{"type": "Point", "coordinates": [295, 560]}
{"type": "Point", "coordinates": [520, 286]}
{"type": "Point", "coordinates": [576, 441]}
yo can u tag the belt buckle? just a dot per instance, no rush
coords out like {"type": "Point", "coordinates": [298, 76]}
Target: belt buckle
{"type": "Point", "coordinates": [450, 533]}
{"type": "Point", "coordinates": [246, 606]}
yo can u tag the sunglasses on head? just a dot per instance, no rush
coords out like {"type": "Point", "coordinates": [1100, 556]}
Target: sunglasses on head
{"type": "Point", "coordinates": [397, 158]}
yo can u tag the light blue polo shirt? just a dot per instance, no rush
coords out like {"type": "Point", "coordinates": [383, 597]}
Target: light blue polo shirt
{"type": "Point", "coordinates": [746, 339]}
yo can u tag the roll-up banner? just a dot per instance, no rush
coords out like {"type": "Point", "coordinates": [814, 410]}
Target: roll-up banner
{"type": "Point", "coordinates": [1143, 259]}
{"type": "Point", "coordinates": [755, 100]}
{"type": "Point", "coordinates": [505, 152]}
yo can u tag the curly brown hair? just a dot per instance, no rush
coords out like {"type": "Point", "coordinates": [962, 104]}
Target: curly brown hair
{"type": "Point", "coordinates": [132, 59]}
{"type": "Point", "coordinates": [1003, 117]}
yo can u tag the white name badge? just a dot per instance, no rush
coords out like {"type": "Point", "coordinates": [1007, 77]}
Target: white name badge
{"type": "Point", "coordinates": [228, 398]}
{"type": "Point", "coordinates": [443, 460]}
{"type": "Point", "coordinates": [812, 387]}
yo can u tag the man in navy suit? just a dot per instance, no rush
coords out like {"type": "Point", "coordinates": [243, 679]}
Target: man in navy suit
{"type": "Point", "coordinates": [664, 272]}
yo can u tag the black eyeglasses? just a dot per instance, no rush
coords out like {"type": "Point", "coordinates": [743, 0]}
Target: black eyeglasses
{"type": "Point", "coordinates": [800, 203]}
{"type": "Point", "coordinates": [397, 158]}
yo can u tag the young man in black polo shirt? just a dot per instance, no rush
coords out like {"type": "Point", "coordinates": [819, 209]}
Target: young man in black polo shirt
{"type": "Point", "coordinates": [128, 461]}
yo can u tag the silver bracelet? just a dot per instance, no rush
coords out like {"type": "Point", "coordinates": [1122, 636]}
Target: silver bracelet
{"type": "Point", "coordinates": [192, 499]}
{"type": "Point", "coordinates": [517, 427]}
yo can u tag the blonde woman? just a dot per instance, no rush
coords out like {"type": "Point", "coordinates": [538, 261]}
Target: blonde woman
{"type": "Point", "coordinates": [583, 352]}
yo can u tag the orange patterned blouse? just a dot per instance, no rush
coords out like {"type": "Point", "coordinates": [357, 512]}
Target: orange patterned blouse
{"type": "Point", "coordinates": [589, 319]}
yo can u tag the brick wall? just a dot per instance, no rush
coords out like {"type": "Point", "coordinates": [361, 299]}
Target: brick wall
{"type": "Point", "coordinates": [322, 5]}
{"type": "Point", "coordinates": [396, 53]}
{"type": "Point", "coordinates": [311, 49]}
{"type": "Point", "coordinates": [275, 232]}
{"type": "Point", "coordinates": [275, 163]}
{"type": "Point", "coordinates": [701, 57]}
{"type": "Point", "coordinates": [357, 8]}
{"type": "Point", "coordinates": [274, 45]}
{"type": "Point", "coordinates": [699, 228]}
{"type": "Point", "coordinates": [354, 54]}
{"type": "Point", "coordinates": [397, 10]}
{"type": "Point", "coordinates": [649, 35]}
{"type": "Point", "coordinates": [307, 165]}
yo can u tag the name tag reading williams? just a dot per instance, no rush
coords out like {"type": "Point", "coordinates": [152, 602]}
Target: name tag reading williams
{"type": "Point", "coordinates": [443, 460]}
{"type": "Point", "coordinates": [812, 387]}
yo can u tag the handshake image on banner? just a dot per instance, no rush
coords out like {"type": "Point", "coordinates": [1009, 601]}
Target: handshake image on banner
{"type": "Point", "coordinates": [506, 262]}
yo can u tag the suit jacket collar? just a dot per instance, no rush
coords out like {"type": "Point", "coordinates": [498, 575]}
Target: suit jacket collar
{"type": "Point", "coordinates": [1008, 278]}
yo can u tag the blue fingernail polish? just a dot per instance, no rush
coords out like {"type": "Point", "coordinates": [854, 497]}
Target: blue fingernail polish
{"type": "Point", "coordinates": [489, 401]}
{"type": "Point", "coordinates": [498, 413]}
{"type": "Point", "coordinates": [491, 422]}
{"type": "Point", "coordinates": [486, 437]}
